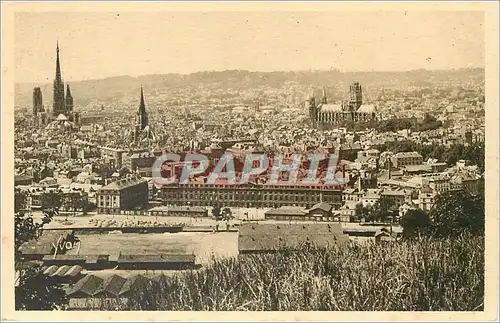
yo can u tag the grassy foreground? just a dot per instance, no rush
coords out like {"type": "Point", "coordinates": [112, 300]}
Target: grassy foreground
{"type": "Point", "coordinates": [420, 275]}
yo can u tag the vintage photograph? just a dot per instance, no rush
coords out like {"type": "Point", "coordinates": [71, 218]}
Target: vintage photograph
{"type": "Point", "coordinates": [254, 160]}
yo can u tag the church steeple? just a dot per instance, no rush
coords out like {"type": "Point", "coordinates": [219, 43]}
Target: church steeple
{"type": "Point", "coordinates": [142, 106]}
{"type": "Point", "coordinates": [142, 119]}
{"type": "Point", "coordinates": [59, 104]}
{"type": "Point", "coordinates": [324, 99]}
{"type": "Point", "coordinates": [58, 65]}
{"type": "Point", "coordinates": [69, 100]}
{"type": "Point", "coordinates": [143, 115]}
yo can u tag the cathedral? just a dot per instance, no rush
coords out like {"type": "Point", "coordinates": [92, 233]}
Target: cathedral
{"type": "Point", "coordinates": [62, 107]}
{"type": "Point", "coordinates": [63, 102]}
{"type": "Point", "coordinates": [326, 115]}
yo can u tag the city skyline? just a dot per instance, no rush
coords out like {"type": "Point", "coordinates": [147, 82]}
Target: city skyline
{"type": "Point", "coordinates": [298, 157]}
{"type": "Point", "coordinates": [341, 43]}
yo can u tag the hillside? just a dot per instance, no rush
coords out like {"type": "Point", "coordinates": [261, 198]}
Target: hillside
{"type": "Point", "coordinates": [108, 89]}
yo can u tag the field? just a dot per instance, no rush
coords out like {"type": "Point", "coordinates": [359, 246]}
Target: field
{"type": "Point", "coordinates": [420, 275]}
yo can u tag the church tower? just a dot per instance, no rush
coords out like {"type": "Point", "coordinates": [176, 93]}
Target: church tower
{"type": "Point", "coordinates": [324, 99]}
{"type": "Point", "coordinates": [59, 104]}
{"type": "Point", "coordinates": [142, 118]}
{"type": "Point", "coordinates": [142, 115]}
{"type": "Point", "coordinates": [355, 96]}
{"type": "Point", "coordinates": [37, 101]}
{"type": "Point", "coordinates": [311, 105]}
{"type": "Point", "coordinates": [69, 100]}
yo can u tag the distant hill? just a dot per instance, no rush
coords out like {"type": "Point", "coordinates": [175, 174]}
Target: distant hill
{"type": "Point", "coordinates": [111, 88]}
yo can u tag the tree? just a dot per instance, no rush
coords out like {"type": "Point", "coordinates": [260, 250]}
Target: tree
{"type": "Point", "coordinates": [381, 209]}
{"type": "Point", "coordinates": [370, 214]}
{"type": "Point", "coordinates": [414, 221]}
{"type": "Point", "coordinates": [216, 211]}
{"type": "Point", "coordinates": [226, 213]}
{"type": "Point", "coordinates": [74, 201]}
{"type": "Point", "coordinates": [456, 212]}
{"type": "Point", "coordinates": [51, 200]}
{"type": "Point", "coordinates": [361, 212]}
{"type": "Point", "coordinates": [33, 290]}
{"type": "Point", "coordinates": [19, 201]}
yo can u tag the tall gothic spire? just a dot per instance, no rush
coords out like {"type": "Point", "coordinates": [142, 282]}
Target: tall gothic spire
{"type": "Point", "coordinates": [59, 104]}
{"type": "Point", "coordinates": [142, 106]}
{"type": "Point", "coordinates": [69, 100]}
{"type": "Point", "coordinates": [58, 64]}
{"type": "Point", "coordinates": [325, 100]}
{"type": "Point", "coordinates": [142, 115]}
{"type": "Point", "coordinates": [68, 91]}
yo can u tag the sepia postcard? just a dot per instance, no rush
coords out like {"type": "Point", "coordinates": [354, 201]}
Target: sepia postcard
{"type": "Point", "coordinates": [296, 161]}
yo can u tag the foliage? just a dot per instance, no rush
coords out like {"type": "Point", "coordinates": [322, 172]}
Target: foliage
{"type": "Point", "coordinates": [415, 275]}
{"type": "Point", "coordinates": [429, 123]}
{"type": "Point", "coordinates": [74, 201]}
{"type": "Point", "coordinates": [27, 229]}
{"type": "Point", "coordinates": [89, 206]}
{"type": "Point", "coordinates": [216, 211]}
{"type": "Point", "coordinates": [456, 212]}
{"type": "Point", "coordinates": [377, 212]}
{"type": "Point", "coordinates": [51, 200]}
{"type": "Point", "coordinates": [226, 213]}
{"type": "Point", "coordinates": [34, 291]}
{"type": "Point", "coordinates": [361, 212]}
{"type": "Point", "coordinates": [414, 221]}
{"type": "Point", "coordinates": [19, 200]}
{"type": "Point", "coordinates": [396, 124]}
{"type": "Point", "coordinates": [381, 209]}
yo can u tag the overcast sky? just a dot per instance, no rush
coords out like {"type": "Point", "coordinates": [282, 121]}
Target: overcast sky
{"type": "Point", "coordinates": [97, 45]}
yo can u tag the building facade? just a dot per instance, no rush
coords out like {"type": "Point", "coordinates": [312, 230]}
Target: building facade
{"type": "Point", "coordinates": [112, 155]}
{"type": "Point", "coordinates": [125, 194]}
{"type": "Point", "coordinates": [325, 115]}
{"type": "Point", "coordinates": [426, 199]}
{"type": "Point", "coordinates": [412, 158]}
{"type": "Point", "coordinates": [250, 195]}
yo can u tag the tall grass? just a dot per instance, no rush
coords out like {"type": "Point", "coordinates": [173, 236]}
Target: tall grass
{"type": "Point", "coordinates": [419, 275]}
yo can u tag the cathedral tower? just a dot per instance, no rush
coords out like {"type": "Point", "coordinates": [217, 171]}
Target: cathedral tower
{"type": "Point", "coordinates": [59, 104]}
{"type": "Point", "coordinates": [324, 99]}
{"type": "Point", "coordinates": [355, 96]}
{"type": "Point", "coordinates": [311, 105]}
{"type": "Point", "coordinates": [37, 101]}
{"type": "Point", "coordinates": [142, 118]}
{"type": "Point", "coordinates": [142, 115]}
{"type": "Point", "coordinates": [69, 100]}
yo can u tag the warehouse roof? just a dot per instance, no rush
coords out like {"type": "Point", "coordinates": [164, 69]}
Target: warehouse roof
{"type": "Point", "coordinates": [156, 258]}
{"type": "Point", "coordinates": [254, 237]}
